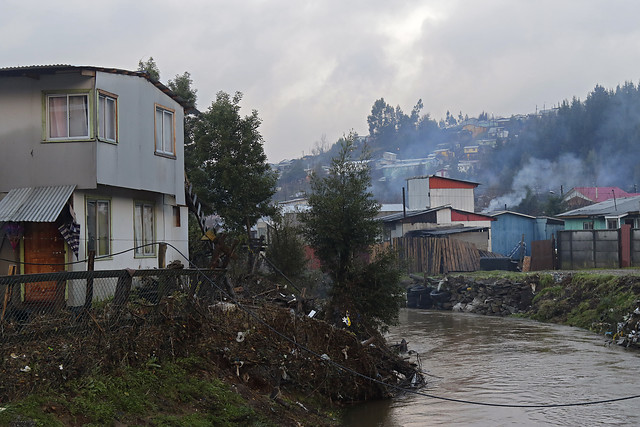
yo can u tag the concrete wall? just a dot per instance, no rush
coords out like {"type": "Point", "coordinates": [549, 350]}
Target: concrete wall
{"type": "Point", "coordinates": [580, 249]}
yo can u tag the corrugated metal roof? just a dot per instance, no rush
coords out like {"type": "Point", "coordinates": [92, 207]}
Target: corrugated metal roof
{"type": "Point", "coordinates": [35, 204]}
{"type": "Point", "coordinates": [35, 70]}
{"type": "Point", "coordinates": [614, 207]}
{"type": "Point", "coordinates": [445, 231]}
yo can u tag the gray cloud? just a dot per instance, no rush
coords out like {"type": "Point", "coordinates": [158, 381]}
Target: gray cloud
{"type": "Point", "coordinates": [316, 67]}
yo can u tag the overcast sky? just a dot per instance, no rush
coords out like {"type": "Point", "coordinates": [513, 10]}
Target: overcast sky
{"type": "Point", "coordinates": [314, 68]}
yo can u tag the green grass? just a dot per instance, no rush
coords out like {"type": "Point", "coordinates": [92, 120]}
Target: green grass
{"type": "Point", "coordinates": [164, 395]}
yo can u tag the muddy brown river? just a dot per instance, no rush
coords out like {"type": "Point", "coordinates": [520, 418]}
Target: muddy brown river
{"type": "Point", "coordinates": [508, 361]}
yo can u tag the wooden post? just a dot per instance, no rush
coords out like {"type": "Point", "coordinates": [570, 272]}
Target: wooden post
{"type": "Point", "coordinates": [162, 253]}
{"type": "Point", "coordinates": [7, 291]}
{"type": "Point", "coordinates": [123, 289]}
{"type": "Point", "coordinates": [88, 296]}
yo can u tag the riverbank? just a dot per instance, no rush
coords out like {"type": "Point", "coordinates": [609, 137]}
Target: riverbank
{"type": "Point", "coordinates": [605, 302]}
{"type": "Point", "coordinates": [184, 363]}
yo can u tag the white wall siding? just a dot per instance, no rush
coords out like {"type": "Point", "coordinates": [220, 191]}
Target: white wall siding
{"type": "Point", "coordinates": [458, 198]}
{"type": "Point", "coordinates": [122, 228]}
{"type": "Point", "coordinates": [418, 193]}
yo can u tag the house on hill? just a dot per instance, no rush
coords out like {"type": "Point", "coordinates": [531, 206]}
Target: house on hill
{"type": "Point", "coordinates": [93, 161]}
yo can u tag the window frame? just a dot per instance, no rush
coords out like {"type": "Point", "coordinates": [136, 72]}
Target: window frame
{"type": "Point", "coordinates": [612, 223]}
{"type": "Point", "coordinates": [46, 118]}
{"type": "Point", "coordinates": [161, 150]}
{"type": "Point", "coordinates": [587, 225]}
{"type": "Point", "coordinates": [146, 251]}
{"type": "Point", "coordinates": [88, 230]}
{"type": "Point", "coordinates": [99, 120]}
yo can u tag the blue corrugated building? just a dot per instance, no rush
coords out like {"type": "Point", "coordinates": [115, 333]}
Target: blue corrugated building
{"type": "Point", "coordinates": [508, 230]}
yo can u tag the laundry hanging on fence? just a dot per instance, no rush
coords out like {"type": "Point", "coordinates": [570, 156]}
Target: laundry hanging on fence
{"type": "Point", "coordinates": [71, 233]}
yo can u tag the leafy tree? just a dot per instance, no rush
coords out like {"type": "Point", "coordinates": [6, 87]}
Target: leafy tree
{"type": "Point", "coordinates": [341, 228]}
{"type": "Point", "coordinates": [382, 120]}
{"type": "Point", "coordinates": [181, 85]}
{"type": "Point", "coordinates": [228, 167]}
{"type": "Point", "coordinates": [150, 67]}
{"type": "Point", "coordinates": [286, 247]}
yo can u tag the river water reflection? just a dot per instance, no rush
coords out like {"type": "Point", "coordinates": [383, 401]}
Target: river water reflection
{"type": "Point", "coordinates": [507, 361]}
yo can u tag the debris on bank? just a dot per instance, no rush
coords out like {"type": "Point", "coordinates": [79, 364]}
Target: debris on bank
{"type": "Point", "coordinates": [604, 303]}
{"type": "Point", "coordinates": [482, 296]}
{"type": "Point", "coordinates": [269, 345]}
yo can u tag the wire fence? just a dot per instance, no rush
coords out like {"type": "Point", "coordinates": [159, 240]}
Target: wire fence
{"type": "Point", "coordinates": [35, 305]}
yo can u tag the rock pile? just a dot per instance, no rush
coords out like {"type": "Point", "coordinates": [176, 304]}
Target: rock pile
{"type": "Point", "coordinates": [499, 297]}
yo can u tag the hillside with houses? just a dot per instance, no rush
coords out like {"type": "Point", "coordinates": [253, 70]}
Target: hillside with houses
{"type": "Point", "coordinates": [503, 183]}
{"type": "Point", "coordinates": [526, 161]}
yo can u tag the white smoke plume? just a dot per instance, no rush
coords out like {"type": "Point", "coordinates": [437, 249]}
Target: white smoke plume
{"type": "Point", "coordinates": [541, 177]}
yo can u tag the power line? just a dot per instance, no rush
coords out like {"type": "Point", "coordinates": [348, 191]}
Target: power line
{"type": "Point", "coordinates": [417, 392]}
{"type": "Point", "coordinates": [345, 368]}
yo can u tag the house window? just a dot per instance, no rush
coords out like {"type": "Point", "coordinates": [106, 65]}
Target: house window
{"type": "Point", "coordinates": [107, 117]}
{"type": "Point", "coordinates": [143, 229]}
{"type": "Point", "coordinates": [67, 116]}
{"type": "Point", "coordinates": [99, 226]}
{"type": "Point", "coordinates": [587, 225]}
{"type": "Point", "coordinates": [612, 224]}
{"type": "Point", "coordinates": [164, 131]}
{"type": "Point", "coordinates": [176, 216]}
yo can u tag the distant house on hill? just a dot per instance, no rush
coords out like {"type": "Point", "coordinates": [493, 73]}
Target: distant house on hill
{"type": "Point", "coordinates": [584, 196]}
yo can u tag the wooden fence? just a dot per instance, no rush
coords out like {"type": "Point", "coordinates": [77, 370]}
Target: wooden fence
{"type": "Point", "coordinates": [435, 255]}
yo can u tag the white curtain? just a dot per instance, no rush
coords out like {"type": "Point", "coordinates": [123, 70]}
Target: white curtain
{"type": "Point", "coordinates": [58, 117]}
{"type": "Point", "coordinates": [78, 116]}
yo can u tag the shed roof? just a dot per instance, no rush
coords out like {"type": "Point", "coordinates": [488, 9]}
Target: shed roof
{"type": "Point", "coordinates": [445, 231]}
{"type": "Point", "coordinates": [35, 204]}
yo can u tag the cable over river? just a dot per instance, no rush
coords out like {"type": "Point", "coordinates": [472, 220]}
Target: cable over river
{"type": "Point", "coordinates": [507, 361]}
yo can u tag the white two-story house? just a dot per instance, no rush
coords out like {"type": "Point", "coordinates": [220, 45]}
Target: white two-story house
{"type": "Point", "coordinates": [98, 148]}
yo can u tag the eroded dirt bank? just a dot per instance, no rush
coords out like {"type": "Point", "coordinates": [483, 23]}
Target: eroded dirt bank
{"type": "Point", "coordinates": [603, 302]}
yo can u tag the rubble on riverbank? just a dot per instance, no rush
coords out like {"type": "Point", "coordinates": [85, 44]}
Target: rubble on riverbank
{"type": "Point", "coordinates": [605, 303]}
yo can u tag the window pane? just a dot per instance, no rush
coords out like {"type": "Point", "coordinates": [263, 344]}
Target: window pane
{"type": "Point", "coordinates": [110, 119]}
{"type": "Point", "coordinates": [167, 132]}
{"type": "Point", "coordinates": [143, 228]}
{"type": "Point", "coordinates": [148, 229]}
{"type": "Point", "coordinates": [103, 228]}
{"type": "Point", "coordinates": [158, 129]}
{"type": "Point", "coordinates": [58, 117]}
{"type": "Point", "coordinates": [101, 120]}
{"type": "Point", "coordinates": [137, 227]}
{"type": "Point", "coordinates": [78, 116]}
